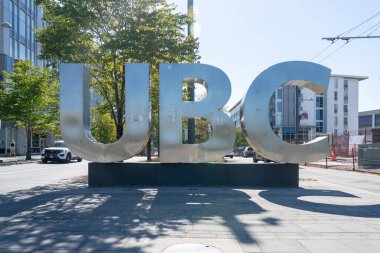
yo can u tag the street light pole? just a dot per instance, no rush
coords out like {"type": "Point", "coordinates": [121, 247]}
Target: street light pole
{"type": "Point", "coordinates": [190, 85]}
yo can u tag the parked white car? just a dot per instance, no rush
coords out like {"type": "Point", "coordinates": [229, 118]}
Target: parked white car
{"type": "Point", "coordinates": [59, 153]}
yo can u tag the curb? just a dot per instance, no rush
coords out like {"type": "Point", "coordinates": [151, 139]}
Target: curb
{"type": "Point", "coordinates": [2, 163]}
{"type": "Point", "coordinates": [373, 172]}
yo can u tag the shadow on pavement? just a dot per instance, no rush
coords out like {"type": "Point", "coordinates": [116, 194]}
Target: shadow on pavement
{"type": "Point", "coordinates": [74, 218]}
{"type": "Point", "coordinates": [295, 199]}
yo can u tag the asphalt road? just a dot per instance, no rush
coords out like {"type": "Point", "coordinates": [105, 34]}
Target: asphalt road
{"type": "Point", "coordinates": [25, 176]}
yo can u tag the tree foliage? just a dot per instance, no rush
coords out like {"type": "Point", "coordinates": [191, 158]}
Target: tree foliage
{"type": "Point", "coordinates": [108, 34]}
{"type": "Point", "coordinates": [29, 96]}
{"type": "Point", "coordinates": [240, 140]}
{"type": "Point", "coordinates": [103, 128]}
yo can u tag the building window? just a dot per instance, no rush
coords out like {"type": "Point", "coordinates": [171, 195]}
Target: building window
{"type": "Point", "coordinates": [345, 110]}
{"type": "Point", "coordinates": [335, 121]}
{"type": "Point", "coordinates": [11, 13]}
{"type": "Point", "coordinates": [377, 120]}
{"type": "Point", "coordinates": [22, 3]}
{"type": "Point", "coordinates": [29, 30]}
{"type": "Point", "coordinates": [365, 121]}
{"type": "Point", "coordinates": [278, 120]}
{"type": "Point", "coordinates": [319, 114]}
{"type": "Point", "coordinates": [336, 83]}
{"type": "Point", "coordinates": [345, 122]}
{"type": "Point", "coordinates": [16, 50]}
{"type": "Point", "coordinates": [346, 97]}
{"type": "Point", "coordinates": [22, 15]}
{"type": "Point", "coordinates": [11, 47]}
{"type": "Point", "coordinates": [15, 19]}
{"type": "Point", "coordinates": [279, 106]}
{"type": "Point", "coordinates": [335, 95]}
{"type": "Point", "coordinates": [335, 108]}
{"type": "Point", "coordinates": [319, 127]}
{"type": "Point", "coordinates": [32, 35]}
{"type": "Point", "coordinates": [300, 97]}
{"type": "Point", "coordinates": [279, 93]}
{"type": "Point", "coordinates": [335, 131]}
{"type": "Point", "coordinates": [345, 85]}
{"type": "Point", "coordinates": [22, 52]}
{"type": "Point", "coordinates": [319, 102]}
{"type": "Point", "coordinates": [32, 57]}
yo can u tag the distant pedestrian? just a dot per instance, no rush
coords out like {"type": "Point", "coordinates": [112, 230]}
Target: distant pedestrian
{"type": "Point", "coordinates": [13, 148]}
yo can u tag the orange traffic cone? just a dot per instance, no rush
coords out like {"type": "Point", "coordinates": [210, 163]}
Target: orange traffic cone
{"type": "Point", "coordinates": [333, 158]}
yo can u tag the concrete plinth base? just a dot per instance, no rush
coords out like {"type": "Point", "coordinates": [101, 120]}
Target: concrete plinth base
{"type": "Point", "coordinates": [187, 174]}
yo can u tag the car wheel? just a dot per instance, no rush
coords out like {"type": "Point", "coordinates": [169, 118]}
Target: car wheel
{"type": "Point", "coordinates": [68, 158]}
{"type": "Point", "coordinates": [43, 160]}
{"type": "Point", "coordinates": [79, 159]}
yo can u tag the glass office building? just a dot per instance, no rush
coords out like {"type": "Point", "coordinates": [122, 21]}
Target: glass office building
{"type": "Point", "coordinates": [18, 21]}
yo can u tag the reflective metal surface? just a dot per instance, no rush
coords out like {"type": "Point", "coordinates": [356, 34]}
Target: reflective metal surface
{"type": "Point", "coordinates": [75, 114]}
{"type": "Point", "coordinates": [173, 109]}
{"type": "Point", "coordinates": [255, 112]}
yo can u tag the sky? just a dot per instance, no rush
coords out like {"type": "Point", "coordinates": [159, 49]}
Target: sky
{"type": "Point", "coordinates": [245, 37]}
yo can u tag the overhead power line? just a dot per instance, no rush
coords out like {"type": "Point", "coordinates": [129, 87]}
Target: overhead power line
{"type": "Point", "coordinates": [344, 36]}
{"type": "Point", "coordinates": [333, 52]}
{"type": "Point", "coordinates": [376, 26]}
{"type": "Point", "coordinates": [350, 38]}
{"type": "Point", "coordinates": [322, 51]}
{"type": "Point", "coordinates": [357, 26]}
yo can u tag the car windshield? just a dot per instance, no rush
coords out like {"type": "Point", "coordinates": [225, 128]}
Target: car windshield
{"type": "Point", "coordinates": [59, 145]}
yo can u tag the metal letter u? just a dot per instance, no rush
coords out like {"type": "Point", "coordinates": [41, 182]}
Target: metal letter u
{"type": "Point", "coordinates": [75, 114]}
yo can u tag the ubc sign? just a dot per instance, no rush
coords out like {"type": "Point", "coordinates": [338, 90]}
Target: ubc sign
{"type": "Point", "coordinates": [75, 113]}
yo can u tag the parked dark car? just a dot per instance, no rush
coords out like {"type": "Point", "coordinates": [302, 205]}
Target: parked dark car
{"type": "Point", "coordinates": [230, 153]}
{"type": "Point", "coordinates": [248, 152]}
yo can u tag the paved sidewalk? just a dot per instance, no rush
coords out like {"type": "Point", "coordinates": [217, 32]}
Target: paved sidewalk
{"type": "Point", "coordinates": [69, 217]}
{"type": "Point", "coordinates": [5, 161]}
{"type": "Point", "coordinates": [343, 163]}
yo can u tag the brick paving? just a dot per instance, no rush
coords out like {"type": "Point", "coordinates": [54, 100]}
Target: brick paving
{"type": "Point", "coordinates": [69, 217]}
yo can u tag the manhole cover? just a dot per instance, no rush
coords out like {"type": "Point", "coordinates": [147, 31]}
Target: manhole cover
{"type": "Point", "coordinates": [191, 248]}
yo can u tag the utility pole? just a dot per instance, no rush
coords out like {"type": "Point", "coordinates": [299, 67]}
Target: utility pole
{"type": "Point", "coordinates": [190, 85]}
{"type": "Point", "coordinates": [333, 39]}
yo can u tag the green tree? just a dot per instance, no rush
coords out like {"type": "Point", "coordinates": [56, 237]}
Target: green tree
{"type": "Point", "coordinates": [29, 96]}
{"type": "Point", "coordinates": [240, 140]}
{"type": "Point", "coordinates": [103, 129]}
{"type": "Point", "coordinates": [108, 34]}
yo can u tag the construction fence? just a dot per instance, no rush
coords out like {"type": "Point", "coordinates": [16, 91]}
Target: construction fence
{"type": "Point", "coordinates": [352, 152]}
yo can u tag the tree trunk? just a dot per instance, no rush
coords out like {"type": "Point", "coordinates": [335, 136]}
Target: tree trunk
{"type": "Point", "coordinates": [119, 129]}
{"type": "Point", "coordinates": [28, 143]}
{"type": "Point", "coordinates": [149, 150]}
{"type": "Point", "coordinates": [158, 141]}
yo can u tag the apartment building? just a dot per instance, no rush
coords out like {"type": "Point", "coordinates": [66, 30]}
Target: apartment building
{"type": "Point", "coordinates": [298, 114]}
{"type": "Point", "coordinates": [369, 125]}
